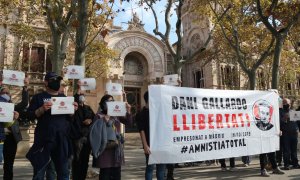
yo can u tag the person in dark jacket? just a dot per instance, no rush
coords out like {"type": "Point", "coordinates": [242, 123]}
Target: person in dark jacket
{"type": "Point", "coordinates": [142, 119]}
{"type": "Point", "coordinates": [290, 140]}
{"type": "Point", "coordinates": [51, 136]}
{"type": "Point", "coordinates": [83, 118]}
{"type": "Point", "coordinates": [10, 143]}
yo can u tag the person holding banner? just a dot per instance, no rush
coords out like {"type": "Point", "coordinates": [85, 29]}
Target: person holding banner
{"type": "Point", "coordinates": [142, 119]}
{"type": "Point", "coordinates": [12, 133]}
{"type": "Point", "coordinates": [111, 157]}
{"type": "Point", "coordinates": [51, 136]}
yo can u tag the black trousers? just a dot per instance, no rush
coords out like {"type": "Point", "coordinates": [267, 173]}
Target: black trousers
{"type": "Point", "coordinates": [223, 164]}
{"type": "Point", "coordinates": [9, 154]}
{"type": "Point", "coordinates": [263, 160]}
{"type": "Point", "coordinates": [80, 163]}
{"type": "Point", "coordinates": [113, 173]}
{"type": "Point", "coordinates": [290, 150]}
{"type": "Point", "coordinates": [279, 154]}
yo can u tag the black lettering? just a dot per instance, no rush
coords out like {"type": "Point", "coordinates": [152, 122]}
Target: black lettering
{"type": "Point", "coordinates": [244, 103]}
{"type": "Point", "coordinates": [175, 104]}
{"type": "Point", "coordinates": [204, 103]}
{"type": "Point", "coordinates": [189, 101]}
{"type": "Point", "coordinates": [182, 104]}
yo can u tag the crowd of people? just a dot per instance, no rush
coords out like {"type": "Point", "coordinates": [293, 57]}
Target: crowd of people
{"type": "Point", "coordinates": [63, 143]}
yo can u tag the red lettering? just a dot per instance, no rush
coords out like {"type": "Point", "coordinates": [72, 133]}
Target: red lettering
{"type": "Point", "coordinates": [201, 121]}
{"type": "Point", "coordinates": [227, 120]}
{"type": "Point", "coordinates": [234, 122]}
{"type": "Point", "coordinates": [248, 119]}
{"type": "Point", "coordinates": [175, 127]}
{"type": "Point", "coordinates": [219, 121]}
{"type": "Point", "coordinates": [210, 121]}
{"type": "Point", "coordinates": [193, 122]}
{"type": "Point", "coordinates": [241, 119]}
{"type": "Point", "coordinates": [185, 127]}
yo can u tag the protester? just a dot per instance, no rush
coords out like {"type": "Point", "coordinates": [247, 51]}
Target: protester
{"type": "Point", "coordinates": [142, 119]}
{"type": "Point", "coordinates": [246, 160]}
{"type": "Point", "coordinates": [290, 140]}
{"type": "Point", "coordinates": [51, 136]}
{"type": "Point", "coordinates": [232, 164]}
{"type": "Point", "coordinates": [107, 141]}
{"type": "Point", "coordinates": [81, 145]}
{"type": "Point", "coordinates": [12, 133]}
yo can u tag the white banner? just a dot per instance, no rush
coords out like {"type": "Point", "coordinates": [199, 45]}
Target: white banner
{"type": "Point", "coordinates": [188, 124]}
{"type": "Point", "coordinates": [74, 72]}
{"type": "Point", "coordinates": [116, 108]}
{"type": "Point", "coordinates": [171, 80]}
{"type": "Point", "coordinates": [114, 89]}
{"type": "Point", "coordinates": [294, 115]}
{"type": "Point", "coordinates": [6, 112]}
{"type": "Point", "coordinates": [87, 84]}
{"type": "Point", "coordinates": [15, 78]}
{"type": "Point", "coordinates": [62, 105]}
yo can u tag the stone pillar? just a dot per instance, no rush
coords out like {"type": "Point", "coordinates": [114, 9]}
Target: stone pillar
{"type": "Point", "coordinates": [45, 58]}
{"type": "Point", "coordinates": [29, 59]}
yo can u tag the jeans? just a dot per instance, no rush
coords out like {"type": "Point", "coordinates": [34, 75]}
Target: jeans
{"type": "Point", "coordinates": [223, 164]}
{"type": "Point", "coordinates": [1, 152]}
{"type": "Point", "coordinates": [246, 159]}
{"type": "Point", "coordinates": [49, 170]}
{"type": "Point", "coordinates": [9, 154]}
{"type": "Point", "coordinates": [290, 150]}
{"type": "Point", "coordinates": [160, 170]}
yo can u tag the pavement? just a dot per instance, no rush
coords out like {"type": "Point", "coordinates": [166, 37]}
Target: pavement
{"type": "Point", "coordinates": [135, 167]}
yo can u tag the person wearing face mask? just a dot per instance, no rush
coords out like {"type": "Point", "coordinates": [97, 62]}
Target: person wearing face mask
{"type": "Point", "coordinates": [12, 132]}
{"type": "Point", "coordinates": [83, 118]}
{"type": "Point", "coordinates": [107, 142]}
{"type": "Point", "coordinates": [290, 137]}
{"type": "Point", "coordinates": [51, 136]}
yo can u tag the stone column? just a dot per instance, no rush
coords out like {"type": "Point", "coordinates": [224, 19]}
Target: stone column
{"type": "Point", "coordinates": [29, 59]}
{"type": "Point", "coordinates": [45, 58]}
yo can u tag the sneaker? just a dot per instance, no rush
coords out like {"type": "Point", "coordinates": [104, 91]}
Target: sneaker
{"type": "Point", "coordinates": [296, 166]}
{"type": "Point", "coordinates": [245, 165]}
{"type": "Point", "coordinates": [264, 173]}
{"type": "Point", "coordinates": [233, 169]}
{"type": "Point", "coordinates": [224, 169]}
{"type": "Point", "coordinates": [279, 164]}
{"type": "Point", "coordinates": [277, 171]}
{"type": "Point", "coordinates": [286, 168]}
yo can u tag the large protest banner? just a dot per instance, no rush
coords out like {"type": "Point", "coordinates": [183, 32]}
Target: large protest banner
{"type": "Point", "coordinates": [188, 124]}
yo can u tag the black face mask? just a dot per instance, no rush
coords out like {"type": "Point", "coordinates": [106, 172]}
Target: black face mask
{"type": "Point", "coordinates": [54, 85]}
{"type": "Point", "coordinates": [286, 107]}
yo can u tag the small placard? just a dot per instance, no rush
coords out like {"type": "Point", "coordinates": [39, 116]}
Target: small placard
{"type": "Point", "coordinates": [74, 72]}
{"type": "Point", "coordinates": [294, 115]}
{"type": "Point", "coordinates": [171, 80]}
{"type": "Point", "coordinates": [87, 84]}
{"type": "Point", "coordinates": [6, 112]}
{"type": "Point", "coordinates": [114, 89]}
{"type": "Point", "coordinates": [15, 78]}
{"type": "Point", "coordinates": [116, 108]}
{"type": "Point", "coordinates": [62, 105]}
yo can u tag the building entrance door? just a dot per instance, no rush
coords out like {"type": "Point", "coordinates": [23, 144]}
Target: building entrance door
{"type": "Point", "coordinates": [134, 99]}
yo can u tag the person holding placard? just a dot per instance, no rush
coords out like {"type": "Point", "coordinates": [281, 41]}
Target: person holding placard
{"type": "Point", "coordinates": [83, 118]}
{"type": "Point", "coordinates": [107, 142]}
{"type": "Point", "coordinates": [12, 133]}
{"type": "Point", "coordinates": [51, 136]}
{"type": "Point", "coordinates": [142, 119]}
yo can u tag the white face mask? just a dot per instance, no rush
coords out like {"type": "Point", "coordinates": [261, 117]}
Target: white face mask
{"type": "Point", "coordinates": [6, 97]}
{"type": "Point", "coordinates": [81, 99]}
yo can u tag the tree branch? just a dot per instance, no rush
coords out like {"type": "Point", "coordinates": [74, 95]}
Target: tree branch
{"type": "Point", "coordinates": [265, 19]}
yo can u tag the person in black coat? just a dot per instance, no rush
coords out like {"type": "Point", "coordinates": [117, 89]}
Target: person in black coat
{"type": "Point", "coordinates": [83, 118]}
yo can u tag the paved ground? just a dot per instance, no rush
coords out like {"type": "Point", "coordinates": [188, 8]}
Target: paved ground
{"type": "Point", "coordinates": [135, 164]}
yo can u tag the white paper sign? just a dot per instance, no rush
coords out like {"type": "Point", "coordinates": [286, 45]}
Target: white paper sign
{"type": "Point", "coordinates": [294, 115]}
{"type": "Point", "coordinates": [190, 124]}
{"type": "Point", "coordinates": [74, 72]}
{"type": "Point", "coordinates": [87, 84]}
{"type": "Point", "coordinates": [116, 108]}
{"type": "Point", "coordinates": [6, 112]}
{"type": "Point", "coordinates": [15, 78]}
{"type": "Point", "coordinates": [62, 105]}
{"type": "Point", "coordinates": [114, 89]}
{"type": "Point", "coordinates": [171, 80]}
